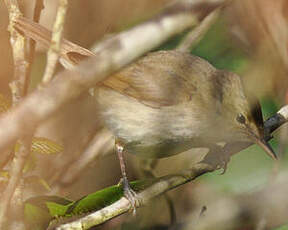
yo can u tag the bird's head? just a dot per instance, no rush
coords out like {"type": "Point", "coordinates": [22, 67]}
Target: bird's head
{"type": "Point", "coordinates": [244, 115]}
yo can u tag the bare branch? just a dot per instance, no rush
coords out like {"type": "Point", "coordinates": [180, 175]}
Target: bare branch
{"type": "Point", "coordinates": [161, 186]}
{"type": "Point", "coordinates": [111, 55]}
{"type": "Point", "coordinates": [55, 46]}
{"type": "Point", "coordinates": [193, 37]}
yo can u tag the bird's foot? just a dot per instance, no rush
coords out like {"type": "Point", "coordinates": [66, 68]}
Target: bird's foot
{"type": "Point", "coordinates": [218, 157]}
{"type": "Point", "coordinates": [131, 195]}
{"type": "Point", "coordinates": [223, 165]}
{"type": "Point", "coordinates": [224, 159]}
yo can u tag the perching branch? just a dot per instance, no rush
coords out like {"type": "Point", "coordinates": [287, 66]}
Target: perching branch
{"type": "Point", "coordinates": [123, 205]}
{"type": "Point", "coordinates": [110, 56]}
{"type": "Point", "coordinates": [55, 46]}
{"type": "Point", "coordinates": [167, 183]}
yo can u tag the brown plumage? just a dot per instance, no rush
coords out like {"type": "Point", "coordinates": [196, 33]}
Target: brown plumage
{"type": "Point", "coordinates": [169, 101]}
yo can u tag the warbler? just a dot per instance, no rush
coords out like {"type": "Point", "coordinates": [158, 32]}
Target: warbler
{"type": "Point", "coordinates": [170, 101]}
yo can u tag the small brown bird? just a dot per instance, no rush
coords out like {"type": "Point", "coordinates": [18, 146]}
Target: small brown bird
{"type": "Point", "coordinates": [169, 101]}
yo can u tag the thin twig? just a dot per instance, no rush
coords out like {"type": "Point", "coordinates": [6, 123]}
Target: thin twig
{"type": "Point", "coordinates": [162, 185]}
{"type": "Point", "coordinates": [110, 56]}
{"type": "Point", "coordinates": [196, 35]}
{"type": "Point", "coordinates": [18, 44]}
{"type": "Point", "coordinates": [55, 46]}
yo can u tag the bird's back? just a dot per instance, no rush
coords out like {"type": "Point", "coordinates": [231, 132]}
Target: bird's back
{"type": "Point", "coordinates": [163, 78]}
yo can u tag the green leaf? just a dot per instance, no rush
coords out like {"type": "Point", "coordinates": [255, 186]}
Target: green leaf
{"type": "Point", "coordinates": [57, 210]}
{"type": "Point", "coordinates": [36, 217]}
{"type": "Point", "coordinates": [58, 207]}
{"type": "Point", "coordinates": [95, 201]}
{"type": "Point", "coordinates": [45, 146]}
{"type": "Point", "coordinates": [103, 198]}
{"type": "Point", "coordinates": [40, 210]}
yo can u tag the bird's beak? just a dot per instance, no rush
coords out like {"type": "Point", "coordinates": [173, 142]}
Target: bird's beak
{"type": "Point", "coordinates": [266, 147]}
{"type": "Point", "coordinates": [263, 144]}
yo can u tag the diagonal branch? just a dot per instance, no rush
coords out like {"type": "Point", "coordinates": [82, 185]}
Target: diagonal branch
{"type": "Point", "coordinates": [165, 184]}
{"type": "Point", "coordinates": [123, 205]}
{"type": "Point", "coordinates": [193, 37]}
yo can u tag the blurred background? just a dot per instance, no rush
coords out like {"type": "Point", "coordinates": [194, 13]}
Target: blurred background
{"type": "Point", "coordinates": [250, 38]}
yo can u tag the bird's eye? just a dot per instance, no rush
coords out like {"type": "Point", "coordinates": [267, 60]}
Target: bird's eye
{"type": "Point", "coordinates": [240, 118]}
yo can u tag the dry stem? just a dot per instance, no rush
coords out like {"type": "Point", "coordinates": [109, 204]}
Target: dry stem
{"type": "Point", "coordinates": [193, 37]}
{"type": "Point", "coordinates": [55, 46]}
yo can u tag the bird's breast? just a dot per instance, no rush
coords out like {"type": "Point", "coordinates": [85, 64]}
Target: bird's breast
{"type": "Point", "coordinates": [148, 131]}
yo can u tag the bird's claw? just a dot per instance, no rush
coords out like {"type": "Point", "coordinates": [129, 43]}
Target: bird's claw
{"type": "Point", "coordinates": [223, 162]}
{"type": "Point", "coordinates": [131, 195]}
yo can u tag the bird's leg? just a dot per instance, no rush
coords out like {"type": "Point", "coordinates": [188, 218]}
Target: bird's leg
{"type": "Point", "coordinates": [129, 193]}
{"type": "Point", "coordinates": [218, 156]}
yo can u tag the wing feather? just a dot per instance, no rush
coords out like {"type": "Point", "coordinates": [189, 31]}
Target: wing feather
{"type": "Point", "coordinates": [162, 78]}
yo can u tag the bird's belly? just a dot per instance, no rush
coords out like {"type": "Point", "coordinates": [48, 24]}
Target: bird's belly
{"type": "Point", "coordinates": [152, 132]}
{"type": "Point", "coordinates": [161, 149]}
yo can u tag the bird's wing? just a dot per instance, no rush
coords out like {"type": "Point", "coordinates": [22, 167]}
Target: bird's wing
{"type": "Point", "coordinates": [162, 78]}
